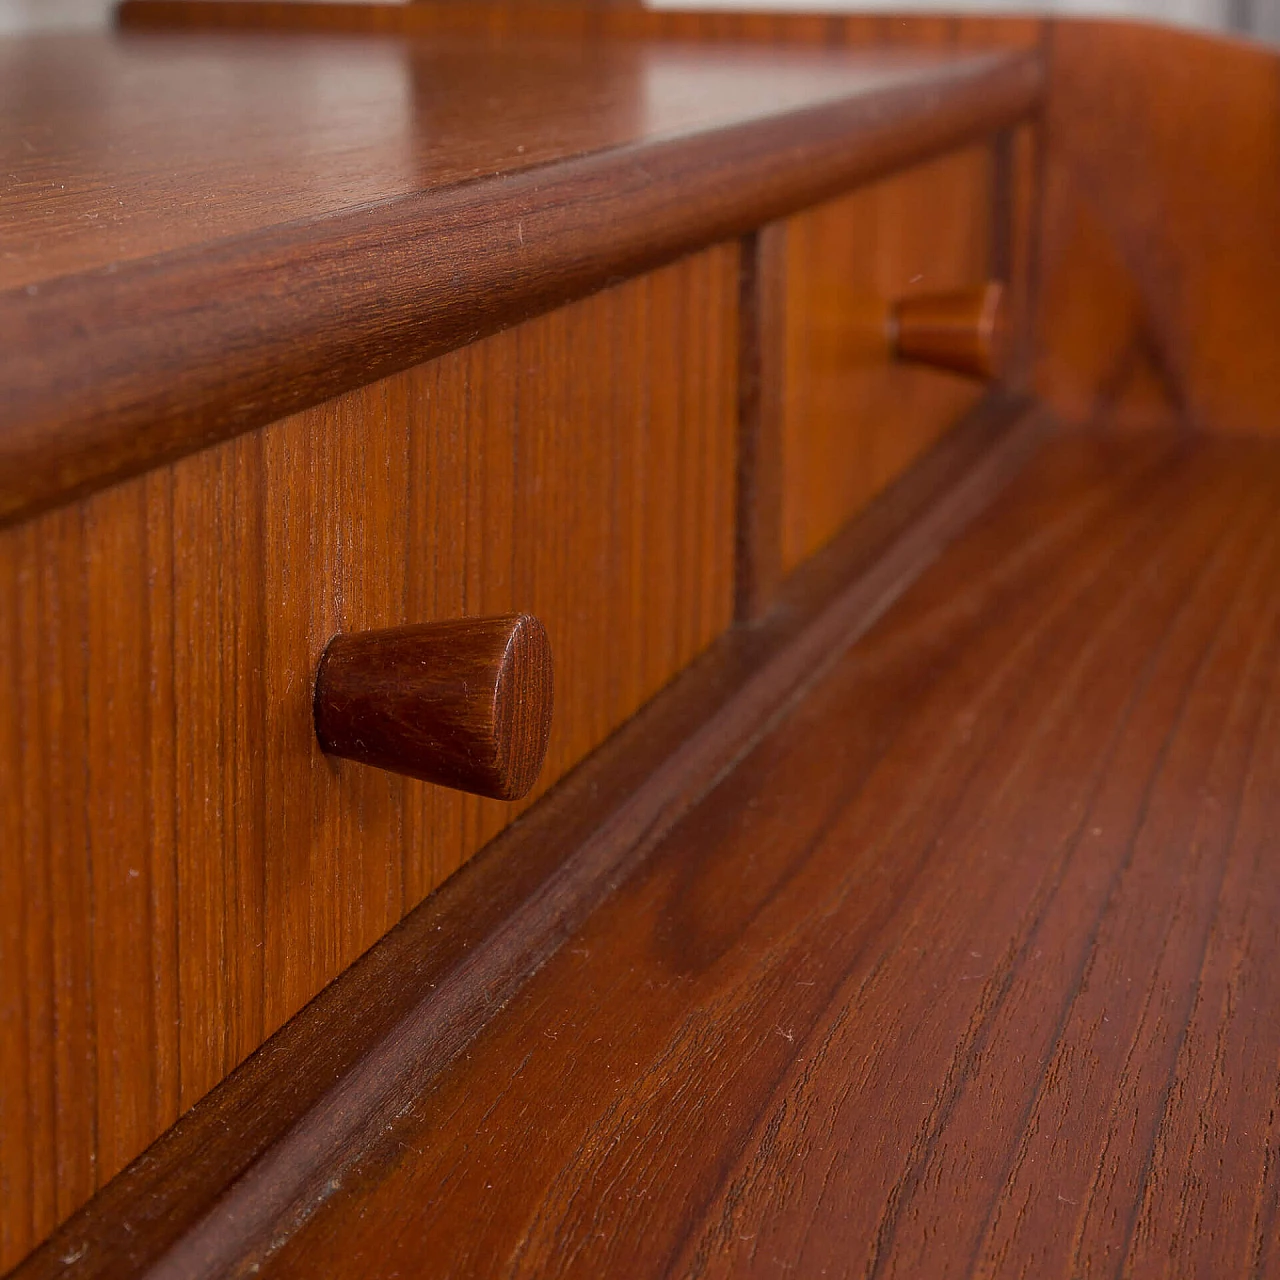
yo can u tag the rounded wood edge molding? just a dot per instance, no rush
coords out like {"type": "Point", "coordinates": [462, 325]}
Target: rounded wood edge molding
{"type": "Point", "coordinates": [464, 703]}
{"type": "Point", "coordinates": [964, 331]}
{"type": "Point", "coordinates": [287, 317]}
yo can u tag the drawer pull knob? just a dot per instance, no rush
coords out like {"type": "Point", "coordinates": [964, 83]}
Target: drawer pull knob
{"type": "Point", "coordinates": [464, 703]}
{"type": "Point", "coordinates": [964, 331]}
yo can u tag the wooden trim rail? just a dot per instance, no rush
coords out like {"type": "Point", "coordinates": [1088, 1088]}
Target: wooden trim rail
{"type": "Point", "coordinates": [110, 372]}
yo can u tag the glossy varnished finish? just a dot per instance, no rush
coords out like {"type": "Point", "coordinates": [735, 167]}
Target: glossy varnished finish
{"type": "Point", "coordinates": [244, 1168]}
{"type": "Point", "coordinates": [464, 703]}
{"type": "Point", "coordinates": [401, 116]}
{"type": "Point", "coordinates": [183, 868]}
{"type": "Point", "coordinates": [968, 969]}
{"type": "Point", "coordinates": [356, 206]}
{"type": "Point", "coordinates": [1159, 283]}
{"type": "Point", "coordinates": [633, 1113]}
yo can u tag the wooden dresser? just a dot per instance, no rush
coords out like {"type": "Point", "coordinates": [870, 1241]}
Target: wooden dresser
{"type": "Point", "coordinates": [875, 417]}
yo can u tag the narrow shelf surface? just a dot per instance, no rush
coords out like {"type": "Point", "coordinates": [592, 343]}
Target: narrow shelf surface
{"type": "Point", "coordinates": [201, 233]}
{"type": "Point", "coordinates": [969, 968]}
{"type": "Point", "coordinates": [128, 145]}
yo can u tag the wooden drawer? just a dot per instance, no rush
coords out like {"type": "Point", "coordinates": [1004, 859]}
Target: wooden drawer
{"type": "Point", "coordinates": [183, 868]}
{"type": "Point", "coordinates": [849, 418]}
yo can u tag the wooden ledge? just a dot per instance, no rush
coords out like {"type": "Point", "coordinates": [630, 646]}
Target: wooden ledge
{"type": "Point", "coordinates": [159, 305]}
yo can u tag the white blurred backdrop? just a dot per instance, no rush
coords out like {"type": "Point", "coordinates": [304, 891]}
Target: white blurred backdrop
{"type": "Point", "coordinates": [26, 15]}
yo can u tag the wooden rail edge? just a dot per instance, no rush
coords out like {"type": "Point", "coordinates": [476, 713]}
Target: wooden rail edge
{"type": "Point", "coordinates": [108, 374]}
{"type": "Point", "coordinates": [237, 1174]}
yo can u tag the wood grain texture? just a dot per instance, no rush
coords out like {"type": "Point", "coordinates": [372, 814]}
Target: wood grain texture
{"type": "Point", "coordinates": [182, 866]}
{"type": "Point", "coordinates": [463, 703]}
{"type": "Point", "coordinates": [238, 1173]}
{"type": "Point", "coordinates": [254, 266]}
{"type": "Point", "coordinates": [851, 418]}
{"type": "Point", "coordinates": [1159, 282]}
{"type": "Point", "coordinates": [968, 969]}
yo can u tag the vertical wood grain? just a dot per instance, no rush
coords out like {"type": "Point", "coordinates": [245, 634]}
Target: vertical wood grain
{"type": "Point", "coordinates": [850, 420]}
{"type": "Point", "coordinates": [181, 867]}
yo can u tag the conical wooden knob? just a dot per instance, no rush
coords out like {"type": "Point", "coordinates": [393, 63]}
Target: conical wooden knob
{"type": "Point", "coordinates": [964, 331]}
{"type": "Point", "coordinates": [464, 703]}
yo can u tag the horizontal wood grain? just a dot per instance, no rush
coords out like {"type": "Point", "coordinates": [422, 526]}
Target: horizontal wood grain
{"type": "Point", "coordinates": [181, 867]}
{"type": "Point", "coordinates": [122, 345]}
{"type": "Point", "coordinates": [238, 1173]}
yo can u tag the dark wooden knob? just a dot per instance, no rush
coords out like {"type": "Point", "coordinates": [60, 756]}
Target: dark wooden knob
{"type": "Point", "coordinates": [964, 331]}
{"type": "Point", "coordinates": [464, 703]}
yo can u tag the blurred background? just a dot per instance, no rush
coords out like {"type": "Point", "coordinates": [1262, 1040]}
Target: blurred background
{"type": "Point", "coordinates": [1256, 18]}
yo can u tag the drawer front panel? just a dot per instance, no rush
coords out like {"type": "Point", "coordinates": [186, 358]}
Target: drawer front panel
{"type": "Point", "coordinates": [852, 421]}
{"type": "Point", "coordinates": [180, 867]}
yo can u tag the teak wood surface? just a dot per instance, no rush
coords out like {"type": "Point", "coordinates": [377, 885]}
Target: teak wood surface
{"type": "Point", "coordinates": [850, 417]}
{"type": "Point", "coordinates": [157, 933]}
{"type": "Point", "coordinates": [828, 417]}
{"type": "Point", "coordinates": [267, 249]}
{"type": "Point", "coordinates": [994, 990]}
{"type": "Point", "coordinates": [1155, 199]}
{"type": "Point", "coordinates": [964, 969]}
{"type": "Point", "coordinates": [1162, 194]}
{"type": "Point", "coordinates": [181, 868]}
{"type": "Point", "coordinates": [266, 871]}
{"type": "Point", "coordinates": [239, 1171]}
